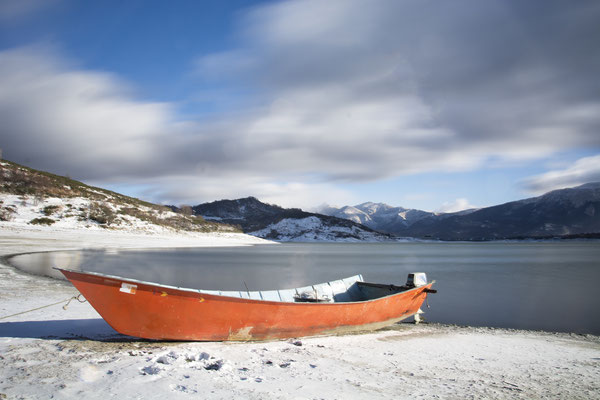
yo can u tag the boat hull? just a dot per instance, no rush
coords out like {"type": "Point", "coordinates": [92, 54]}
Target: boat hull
{"type": "Point", "coordinates": [153, 311]}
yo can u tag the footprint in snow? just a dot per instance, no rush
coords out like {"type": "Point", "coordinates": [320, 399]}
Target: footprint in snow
{"type": "Point", "coordinates": [150, 370]}
{"type": "Point", "coordinates": [214, 366]}
{"type": "Point", "coordinates": [199, 357]}
{"type": "Point", "coordinates": [183, 389]}
{"type": "Point", "coordinates": [168, 358]}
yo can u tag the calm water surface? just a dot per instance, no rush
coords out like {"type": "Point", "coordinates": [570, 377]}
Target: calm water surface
{"type": "Point", "coordinates": [527, 285]}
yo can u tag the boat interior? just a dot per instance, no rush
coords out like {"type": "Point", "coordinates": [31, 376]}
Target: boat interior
{"type": "Point", "coordinates": [346, 290]}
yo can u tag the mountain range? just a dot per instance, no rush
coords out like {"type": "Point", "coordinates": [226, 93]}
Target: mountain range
{"type": "Point", "coordinates": [285, 224]}
{"type": "Point", "coordinates": [564, 212]}
{"type": "Point", "coordinates": [572, 212]}
{"type": "Point", "coordinates": [32, 197]}
{"type": "Point", "coordinates": [383, 217]}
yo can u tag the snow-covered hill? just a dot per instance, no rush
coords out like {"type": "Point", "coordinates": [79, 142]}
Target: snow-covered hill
{"type": "Point", "coordinates": [35, 198]}
{"type": "Point", "coordinates": [314, 229]}
{"type": "Point", "coordinates": [286, 224]}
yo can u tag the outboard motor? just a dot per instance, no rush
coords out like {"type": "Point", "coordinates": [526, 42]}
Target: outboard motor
{"type": "Point", "coordinates": [416, 279]}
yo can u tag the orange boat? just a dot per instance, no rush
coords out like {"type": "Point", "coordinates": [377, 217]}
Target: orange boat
{"type": "Point", "coordinates": [153, 311]}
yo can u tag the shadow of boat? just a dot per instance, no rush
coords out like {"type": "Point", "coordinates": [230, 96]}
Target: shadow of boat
{"type": "Point", "coordinates": [68, 329]}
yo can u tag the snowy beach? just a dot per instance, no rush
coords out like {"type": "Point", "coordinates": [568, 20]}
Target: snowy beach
{"type": "Point", "coordinates": [73, 353]}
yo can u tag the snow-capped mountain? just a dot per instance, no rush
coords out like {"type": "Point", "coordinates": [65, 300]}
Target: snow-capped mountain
{"type": "Point", "coordinates": [379, 216]}
{"type": "Point", "coordinates": [315, 229]}
{"type": "Point", "coordinates": [285, 224]}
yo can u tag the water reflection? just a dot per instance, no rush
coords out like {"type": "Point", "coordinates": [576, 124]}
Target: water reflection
{"type": "Point", "coordinates": [44, 263]}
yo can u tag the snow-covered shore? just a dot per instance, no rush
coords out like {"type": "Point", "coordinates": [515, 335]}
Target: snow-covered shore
{"type": "Point", "coordinates": [73, 353]}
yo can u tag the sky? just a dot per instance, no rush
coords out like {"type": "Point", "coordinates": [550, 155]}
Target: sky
{"type": "Point", "coordinates": [433, 105]}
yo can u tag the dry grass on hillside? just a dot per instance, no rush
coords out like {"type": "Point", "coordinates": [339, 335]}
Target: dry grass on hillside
{"type": "Point", "coordinates": [105, 208]}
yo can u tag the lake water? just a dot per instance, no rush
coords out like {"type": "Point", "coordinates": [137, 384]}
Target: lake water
{"type": "Point", "coordinates": [526, 285]}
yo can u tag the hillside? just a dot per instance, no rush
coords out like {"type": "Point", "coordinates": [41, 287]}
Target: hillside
{"type": "Point", "coordinates": [572, 212]}
{"type": "Point", "coordinates": [32, 197]}
{"type": "Point", "coordinates": [285, 224]}
{"type": "Point", "coordinates": [560, 213]}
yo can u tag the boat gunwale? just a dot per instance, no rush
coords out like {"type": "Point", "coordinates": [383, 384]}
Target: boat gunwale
{"type": "Point", "coordinates": [229, 298]}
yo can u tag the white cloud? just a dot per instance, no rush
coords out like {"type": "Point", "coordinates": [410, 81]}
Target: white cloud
{"type": "Point", "coordinates": [584, 170]}
{"type": "Point", "coordinates": [79, 122]}
{"type": "Point", "coordinates": [365, 93]}
{"type": "Point", "coordinates": [335, 91]}
{"type": "Point", "coordinates": [187, 189]}
{"type": "Point", "coordinates": [90, 126]}
{"type": "Point", "coordinates": [459, 204]}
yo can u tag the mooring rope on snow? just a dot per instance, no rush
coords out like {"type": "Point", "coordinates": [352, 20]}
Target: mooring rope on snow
{"type": "Point", "coordinates": [74, 298]}
{"type": "Point", "coordinates": [49, 305]}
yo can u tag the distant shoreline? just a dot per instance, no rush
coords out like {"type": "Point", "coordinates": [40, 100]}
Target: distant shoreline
{"type": "Point", "coordinates": [592, 236]}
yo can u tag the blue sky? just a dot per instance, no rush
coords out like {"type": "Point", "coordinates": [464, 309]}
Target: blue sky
{"type": "Point", "coordinates": [421, 104]}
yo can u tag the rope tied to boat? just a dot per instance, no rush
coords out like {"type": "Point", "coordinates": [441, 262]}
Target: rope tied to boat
{"type": "Point", "coordinates": [78, 298]}
{"type": "Point", "coordinates": [68, 301]}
